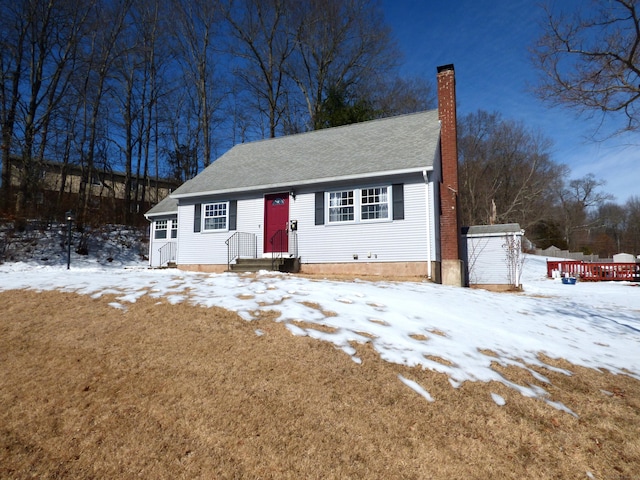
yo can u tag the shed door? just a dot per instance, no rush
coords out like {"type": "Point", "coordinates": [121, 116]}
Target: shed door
{"type": "Point", "coordinates": [276, 219]}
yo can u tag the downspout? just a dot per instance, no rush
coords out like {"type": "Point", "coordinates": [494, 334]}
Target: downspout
{"type": "Point", "coordinates": [429, 234]}
{"type": "Point", "coordinates": [151, 243]}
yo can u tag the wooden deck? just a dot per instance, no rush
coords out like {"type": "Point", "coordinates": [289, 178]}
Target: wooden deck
{"type": "Point", "coordinates": [595, 271]}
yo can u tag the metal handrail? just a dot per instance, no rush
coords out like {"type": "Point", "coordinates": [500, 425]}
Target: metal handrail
{"type": "Point", "coordinates": [241, 244]}
{"type": "Point", "coordinates": [278, 242]}
{"type": "Point", "coordinates": [168, 253]}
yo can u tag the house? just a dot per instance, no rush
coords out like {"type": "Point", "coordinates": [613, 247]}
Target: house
{"type": "Point", "coordinates": [377, 197]}
{"type": "Point", "coordinates": [55, 186]}
{"type": "Point", "coordinates": [163, 238]}
{"type": "Point", "coordinates": [493, 256]}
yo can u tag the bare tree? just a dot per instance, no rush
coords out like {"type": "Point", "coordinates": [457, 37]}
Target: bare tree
{"type": "Point", "coordinates": [395, 95]}
{"type": "Point", "coordinates": [372, 99]}
{"type": "Point", "coordinates": [631, 235]}
{"type": "Point", "coordinates": [13, 31]}
{"type": "Point", "coordinates": [263, 43]}
{"type": "Point", "coordinates": [101, 49]}
{"type": "Point", "coordinates": [136, 93]}
{"type": "Point", "coordinates": [590, 59]}
{"type": "Point", "coordinates": [506, 174]}
{"type": "Point", "coordinates": [339, 43]}
{"type": "Point", "coordinates": [197, 29]}
{"type": "Point", "coordinates": [611, 218]}
{"type": "Point", "coordinates": [577, 199]}
{"type": "Point", "coordinates": [48, 35]}
{"type": "Point", "coordinates": [514, 259]}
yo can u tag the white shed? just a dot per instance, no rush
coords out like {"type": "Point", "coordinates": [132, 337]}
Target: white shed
{"type": "Point", "coordinates": [493, 255]}
{"type": "Point", "coordinates": [624, 258]}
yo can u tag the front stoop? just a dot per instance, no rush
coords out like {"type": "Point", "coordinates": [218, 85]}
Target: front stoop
{"type": "Point", "coordinates": [291, 265]}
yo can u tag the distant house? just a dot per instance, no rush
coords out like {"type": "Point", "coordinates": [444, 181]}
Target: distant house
{"type": "Point", "coordinates": [104, 187]}
{"type": "Point", "coordinates": [376, 197]}
{"type": "Point", "coordinates": [493, 255]}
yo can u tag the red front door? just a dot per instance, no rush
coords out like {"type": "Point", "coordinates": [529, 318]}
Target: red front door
{"type": "Point", "coordinates": [276, 220]}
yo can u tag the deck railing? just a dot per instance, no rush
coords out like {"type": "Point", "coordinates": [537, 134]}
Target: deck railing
{"type": "Point", "coordinates": [595, 271]}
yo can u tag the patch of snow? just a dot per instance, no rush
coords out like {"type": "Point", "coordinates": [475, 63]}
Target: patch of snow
{"type": "Point", "coordinates": [500, 401]}
{"type": "Point", "coordinates": [416, 388]}
{"type": "Point", "coordinates": [456, 331]}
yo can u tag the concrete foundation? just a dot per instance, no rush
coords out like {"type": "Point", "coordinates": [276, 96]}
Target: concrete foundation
{"type": "Point", "coordinates": [381, 269]}
{"type": "Point", "coordinates": [452, 272]}
{"type": "Point", "coordinates": [204, 268]}
{"type": "Point", "coordinates": [376, 269]}
{"type": "Point", "coordinates": [498, 287]}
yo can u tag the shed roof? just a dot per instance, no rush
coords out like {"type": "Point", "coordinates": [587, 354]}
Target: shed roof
{"type": "Point", "coordinates": [490, 230]}
{"type": "Point", "coordinates": [405, 143]}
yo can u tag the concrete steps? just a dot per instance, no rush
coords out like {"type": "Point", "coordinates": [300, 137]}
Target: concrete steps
{"type": "Point", "coordinates": [291, 265]}
{"type": "Point", "coordinates": [252, 265]}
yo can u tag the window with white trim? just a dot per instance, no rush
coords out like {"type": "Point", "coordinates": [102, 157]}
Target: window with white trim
{"type": "Point", "coordinates": [160, 230]}
{"type": "Point", "coordinates": [374, 203]}
{"type": "Point", "coordinates": [369, 204]}
{"type": "Point", "coordinates": [341, 206]}
{"type": "Point", "coordinates": [174, 228]}
{"type": "Point", "coordinates": [215, 216]}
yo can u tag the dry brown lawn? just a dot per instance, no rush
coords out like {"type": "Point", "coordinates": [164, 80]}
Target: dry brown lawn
{"type": "Point", "coordinates": [164, 391]}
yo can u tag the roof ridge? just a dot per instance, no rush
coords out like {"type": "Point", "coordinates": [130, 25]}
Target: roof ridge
{"type": "Point", "coordinates": [339, 127]}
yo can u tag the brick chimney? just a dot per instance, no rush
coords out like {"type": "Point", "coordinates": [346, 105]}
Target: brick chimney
{"type": "Point", "coordinates": [451, 266]}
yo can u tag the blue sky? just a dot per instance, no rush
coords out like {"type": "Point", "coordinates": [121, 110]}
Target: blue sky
{"type": "Point", "coordinates": [488, 41]}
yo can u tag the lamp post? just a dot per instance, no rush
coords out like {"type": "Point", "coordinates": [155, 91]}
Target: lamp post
{"type": "Point", "coordinates": [69, 216]}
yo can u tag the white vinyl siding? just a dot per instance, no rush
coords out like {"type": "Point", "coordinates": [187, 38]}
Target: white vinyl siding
{"type": "Point", "coordinates": [210, 249]}
{"type": "Point", "coordinates": [487, 262]}
{"type": "Point", "coordinates": [371, 241]}
{"type": "Point", "coordinates": [159, 239]}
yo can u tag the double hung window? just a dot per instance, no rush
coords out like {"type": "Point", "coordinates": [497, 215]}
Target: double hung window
{"type": "Point", "coordinates": [341, 206]}
{"type": "Point", "coordinates": [359, 205]}
{"type": "Point", "coordinates": [160, 229]}
{"type": "Point", "coordinates": [215, 216]}
{"type": "Point", "coordinates": [374, 203]}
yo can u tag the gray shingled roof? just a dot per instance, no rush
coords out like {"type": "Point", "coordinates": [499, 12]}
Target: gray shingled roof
{"type": "Point", "coordinates": [397, 144]}
{"type": "Point", "coordinates": [167, 206]}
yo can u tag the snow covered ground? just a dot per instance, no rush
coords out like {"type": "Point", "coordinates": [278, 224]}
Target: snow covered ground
{"type": "Point", "coordinates": [595, 325]}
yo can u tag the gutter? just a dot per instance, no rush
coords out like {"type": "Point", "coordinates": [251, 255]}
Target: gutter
{"type": "Point", "coordinates": [300, 183]}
